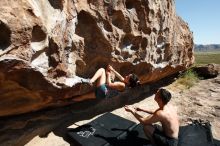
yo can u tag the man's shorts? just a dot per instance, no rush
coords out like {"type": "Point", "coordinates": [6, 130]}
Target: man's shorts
{"type": "Point", "coordinates": [162, 140]}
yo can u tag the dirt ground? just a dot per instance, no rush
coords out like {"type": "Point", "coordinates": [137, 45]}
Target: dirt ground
{"type": "Point", "coordinates": [202, 101]}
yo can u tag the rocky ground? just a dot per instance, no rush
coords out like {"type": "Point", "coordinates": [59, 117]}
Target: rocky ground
{"type": "Point", "coordinates": [202, 101]}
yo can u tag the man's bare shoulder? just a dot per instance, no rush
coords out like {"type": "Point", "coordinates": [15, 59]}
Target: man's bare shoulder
{"type": "Point", "coordinates": [158, 113]}
{"type": "Point", "coordinates": [172, 107]}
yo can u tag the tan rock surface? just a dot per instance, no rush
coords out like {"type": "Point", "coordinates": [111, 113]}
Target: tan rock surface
{"type": "Point", "coordinates": [46, 46]}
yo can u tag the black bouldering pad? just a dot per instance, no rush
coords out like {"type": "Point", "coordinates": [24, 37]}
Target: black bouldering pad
{"type": "Point", "coordinates": [112, 130]}
{"type": "Point", "coordinates": [196, 134]}
{"type": "Point", "coordinates": [109, 129]}
{"type": "Point", "coordinates": [134, 137]}
{"type": "Point", "coordinates": [113, 122]}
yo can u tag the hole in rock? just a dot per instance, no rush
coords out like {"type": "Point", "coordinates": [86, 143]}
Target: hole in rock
{"type": "Point", "coordinates": [161, 42]}
{"type": "Point", "coordinates": [144, 43]}
{"type": "Point", "coordinates": [160, 39]}
{"type": "Point", "coordinates": [118, 19]}
{"type": "Point", "coordinates": [93, 36]}
{"type": "Point", "coordinates": [126, 41]}
{"type": "Point", "coordinates": [53, 53]}
{"type": "Point", "coordinates": [129, 4]}
{"type": "Point", "coordinates": [134, 47]}
{"type": "Point", "coordinates": [56, 4]}
{"type": "Point", "coordinates": [5, 36]}
{"type": "Point", "coordinates": [107, 26]}
{"type": "Point", "coordinates": [38, 34]}
{"type": "Point", "coordinates": [147, 30]}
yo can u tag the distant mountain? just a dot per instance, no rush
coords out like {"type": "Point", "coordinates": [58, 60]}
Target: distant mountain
{"type": "Point", "coordinates": [207, 48]}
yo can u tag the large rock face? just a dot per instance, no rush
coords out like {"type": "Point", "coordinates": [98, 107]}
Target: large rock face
{"type": "Point", "coordinates": [47, 45]}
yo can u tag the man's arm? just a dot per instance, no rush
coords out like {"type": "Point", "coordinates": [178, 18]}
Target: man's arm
{"type": "Point", "coordinates": [151, 119]}
{"type": "Point", "coordinates": [145, 110]}
{"type": "Point", "coordinates": [143, 120]}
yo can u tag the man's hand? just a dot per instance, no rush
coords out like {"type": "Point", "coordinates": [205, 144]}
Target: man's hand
{"type": "Point", "coordinates": [138, 109]}
{"type": "Point", "coordinates": [144, 110]}
{"type": "Point", "coordinates": [129, 109]}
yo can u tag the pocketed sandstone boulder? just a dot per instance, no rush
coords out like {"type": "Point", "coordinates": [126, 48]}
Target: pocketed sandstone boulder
{"type": "Point", "coordinates": [46, 46]}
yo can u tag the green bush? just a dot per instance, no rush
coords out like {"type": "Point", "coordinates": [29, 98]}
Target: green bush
{"type": "Point", "coordinates": [188, 78]}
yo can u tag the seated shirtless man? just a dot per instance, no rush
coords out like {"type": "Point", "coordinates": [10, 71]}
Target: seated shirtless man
{"type": "Point", "coordinates": [166, 114]}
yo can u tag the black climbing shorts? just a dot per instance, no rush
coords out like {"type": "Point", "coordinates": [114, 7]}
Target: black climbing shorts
{"type": "Point", "coordinates": [162, 140]}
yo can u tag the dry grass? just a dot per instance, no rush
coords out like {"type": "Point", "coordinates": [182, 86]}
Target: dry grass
{"type": "Point", "coordinates": [207, 57]}
{"type": "Point", "coordinates": [186, 80]}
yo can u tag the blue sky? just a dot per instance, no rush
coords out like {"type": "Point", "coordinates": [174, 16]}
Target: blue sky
{"type": "Point", "coordinates": [203, 17]}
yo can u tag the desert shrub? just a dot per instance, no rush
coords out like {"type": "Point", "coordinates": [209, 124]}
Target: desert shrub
{"type": "Point", "coordinates": [188, 78]}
